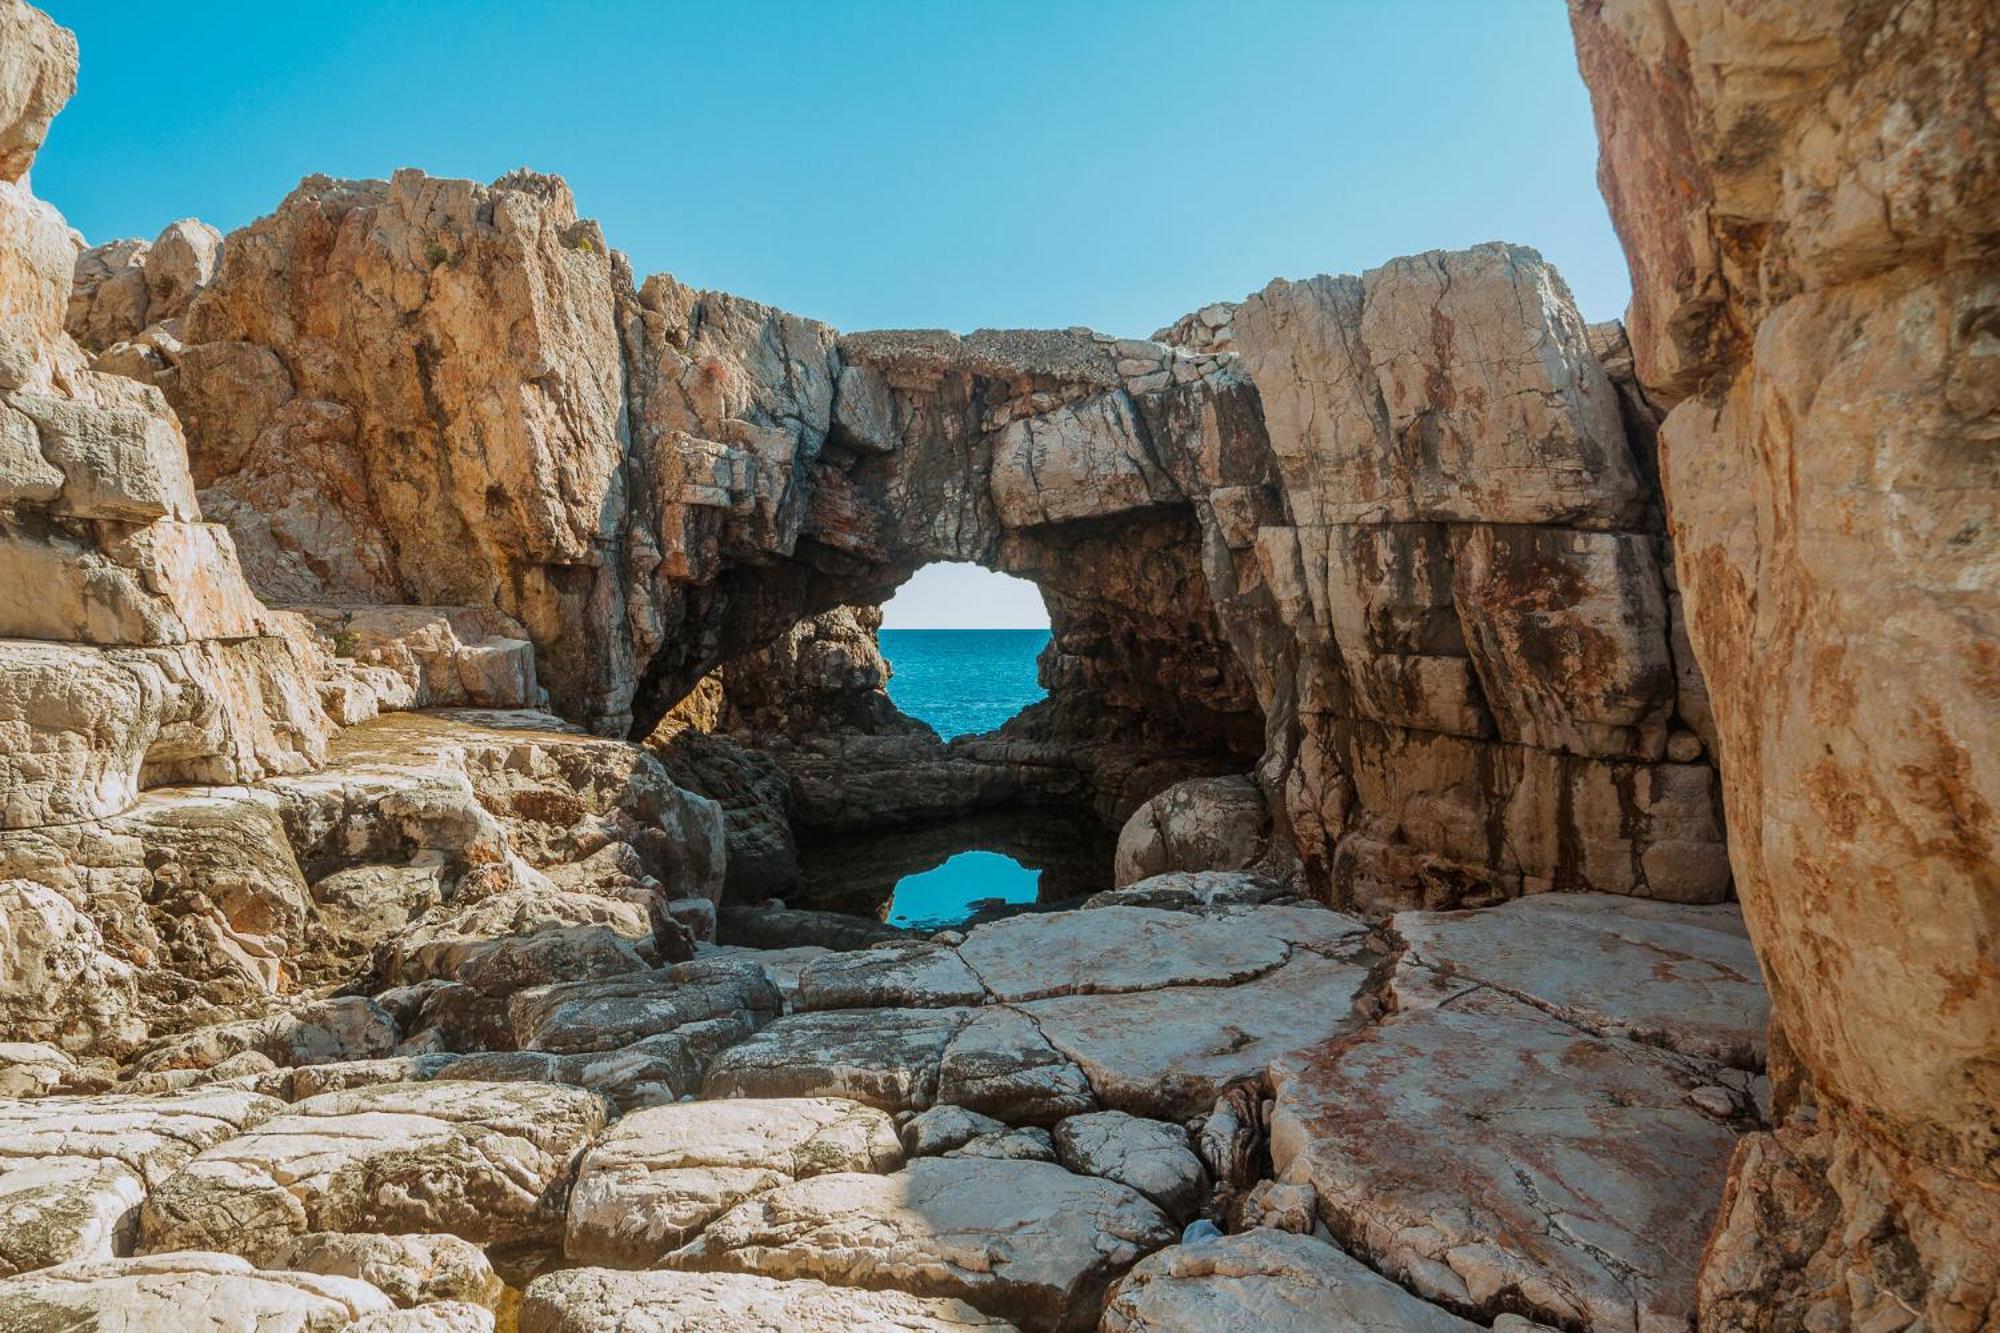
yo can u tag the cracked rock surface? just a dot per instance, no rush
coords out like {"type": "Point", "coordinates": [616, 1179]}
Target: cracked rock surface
{"type": "Point", "coordinates": [1025, 1240]}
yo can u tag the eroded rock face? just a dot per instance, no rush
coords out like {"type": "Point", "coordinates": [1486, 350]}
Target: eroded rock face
{"type": "Point", "coordinates": [1371, 576]}
{"type": "Point", "coordinates": [156, 662]}
{"type": "Point", "coordinates": [1806, 200]}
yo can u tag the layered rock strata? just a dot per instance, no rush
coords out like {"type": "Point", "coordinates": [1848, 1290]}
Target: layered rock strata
{"type": "Point", "coordinates": [1807, 196]}
{"type": "Point", "coordinates": [1395, 547]}
{"type": "Point", "coordinates": [1365, 543]}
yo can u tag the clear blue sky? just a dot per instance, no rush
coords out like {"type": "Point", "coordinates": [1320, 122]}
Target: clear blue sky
{"type": "Point", "coordinates": [1105, 162]}
{"type": "Point", "coordinates": [953, 163]}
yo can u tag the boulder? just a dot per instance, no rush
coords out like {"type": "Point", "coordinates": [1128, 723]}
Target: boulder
{"type": "Point", "coordinates": [410, 1270]}
{"type": "Point", "coordinates": [1151, 1156]}
{"type": "Point", "coordinates": [32, 1068]}
{"type": "Point", "coordinates": [1201, 824]}
{"type": "Point", "coordinates": [658, 1176]}
{"type": "Point", "coordinates": [940, 1129]}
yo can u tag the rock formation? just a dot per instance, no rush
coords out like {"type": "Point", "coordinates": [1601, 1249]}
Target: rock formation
{"type": "Point", "coordinates": [1297, 549]}
{"type": "Point", "coordinates": [414, 624]}
{"type": "Point", "coordinates": [1807, 197]}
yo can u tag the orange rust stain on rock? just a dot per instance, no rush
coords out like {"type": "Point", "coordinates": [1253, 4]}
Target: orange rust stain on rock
{"type": "Point", "coordinates": [1964, 985]}
{"type": "Point", "coordinates": [1831, 697]}
{"type": "Point", "coordinates": [1947, 788]}
{"type": "Point", "coordinates": [1840, 796]}
{"type": "Point", "coordinates": [1984, 668]}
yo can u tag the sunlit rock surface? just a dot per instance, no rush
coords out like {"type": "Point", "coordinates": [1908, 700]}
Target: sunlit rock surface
{"type": "Point", "coordinates": [326, 945]}
{"type": "Point", "coordinates": [1806, 198]}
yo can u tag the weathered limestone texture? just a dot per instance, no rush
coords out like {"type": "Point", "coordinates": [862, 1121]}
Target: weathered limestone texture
{"type": "Point", "coordinates": [1478, 691]}
{"type": "Point", "coordinates": [1807, 195]}
{"type": "Point", "coordinates": [1428, 584]}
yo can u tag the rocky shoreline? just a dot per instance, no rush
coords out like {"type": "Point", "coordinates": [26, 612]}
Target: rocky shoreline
{"type": "Point", "coordinates": [427, 650]}
{"type": "Point", "coordinates": [1006, 1127]}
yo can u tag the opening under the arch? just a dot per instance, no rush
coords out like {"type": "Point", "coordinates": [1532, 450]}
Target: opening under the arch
{"type": "Point", "coordinates": [962, 643]}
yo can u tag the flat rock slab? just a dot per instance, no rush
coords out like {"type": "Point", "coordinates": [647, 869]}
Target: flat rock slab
{"type": "Point", "coordinates": [1108, 950]}
{"type": "Point", "coordinates": [1483, 1149]}
{"type": "Point", "coordinates": [595, 1300]}
{"type": "Point", "coordinates": [1266, 1279]}
{"type": "Point", "coordinates": [172, 1291]}
{"type": "Point", "coordinates": [1000, 1064]}
{"type": "Point", "coordinates": [1022, 1240]}
{"type": "Point", "coordinates": [489, 1162]}
{"type": "Point", "coordinates": [604, 1015]}
{"type": "Point", "coordinates": [433, 1317]}
{"type": "Point", "coordinates": [1170, 1053]}
{"type": "Point", "coordinates": [652, 1071]}
{"type": "Point", "coordinates": [782, 966]}
{"type": "Point", "coordinates": [1301, 925]}
{"type": "Point", "coordinates": [887, 1058]}
{"type": "Point", "coordinates": [993, 1060]}
{"type": "Point", "coordinates": [919, 973]}
{"type": "Point", "coordinates": [1670, 974]}
{"type": "Point", "coordinates": [154, 1136]}
{"type": "Point", "coordinates": [658, 1176]}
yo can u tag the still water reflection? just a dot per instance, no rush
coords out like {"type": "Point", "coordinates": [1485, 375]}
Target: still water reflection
{"type": "Point", "coordinates": [964, 885]}
{"type": "Point", "coordinates": [938, 875]}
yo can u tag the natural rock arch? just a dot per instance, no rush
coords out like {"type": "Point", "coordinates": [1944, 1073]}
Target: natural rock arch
{"type": "Point", "coordinates": [1394, 542]}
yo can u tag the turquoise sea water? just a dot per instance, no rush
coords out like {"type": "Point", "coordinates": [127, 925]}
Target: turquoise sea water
{"type": "Point", "coordinates": [963, 681]}
{"type": "Point", "coordinates": [949, 893]}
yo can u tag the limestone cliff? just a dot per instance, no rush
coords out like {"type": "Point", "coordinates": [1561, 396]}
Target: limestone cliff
{"type": "Point", "coordinates": [186, 834]}
{"type": "Point", "coordinates": [1808, 195]}
{"type": "Point", "coordinates": [1426, 581]}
